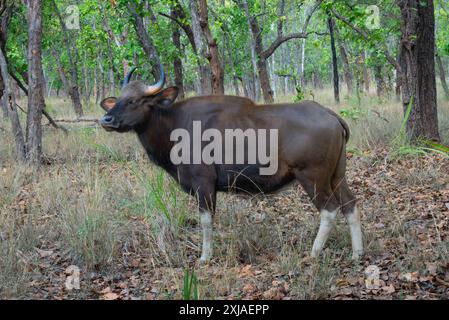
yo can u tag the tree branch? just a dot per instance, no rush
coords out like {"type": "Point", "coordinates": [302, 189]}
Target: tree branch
{"type": "Point", "coordinates": [177, 10]}
{"type": "Point", "coordinates": [281, 38]}
{"type": "Point", "coordinates": [365, 35]}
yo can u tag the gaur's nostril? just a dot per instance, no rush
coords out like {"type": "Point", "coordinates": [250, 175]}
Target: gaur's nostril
{"type": "Point", "coordinates": [107, 119]}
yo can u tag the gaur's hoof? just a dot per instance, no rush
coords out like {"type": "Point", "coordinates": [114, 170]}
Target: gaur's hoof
{"type": "Point", "coordinates": [357, 255]}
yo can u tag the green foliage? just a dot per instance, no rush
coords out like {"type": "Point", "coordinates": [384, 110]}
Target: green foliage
{"type": "Point", "coordinates": [190, 288]}
{"type": "Point", "coordinates": [299, 93]}
{"type": "Point", "coordinates": [351, 113]}
{"type": "Point", "coordinates": [401, 145]}
{"type": "Point", "coordinates": [161, 197]}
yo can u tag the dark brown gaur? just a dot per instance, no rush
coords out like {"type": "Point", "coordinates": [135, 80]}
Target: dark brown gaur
{"type": "Point", "coordinates": [311, 149]}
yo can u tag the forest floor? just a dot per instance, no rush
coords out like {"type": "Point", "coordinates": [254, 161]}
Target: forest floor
{"type": "Point", "coordinates": [99, 206]}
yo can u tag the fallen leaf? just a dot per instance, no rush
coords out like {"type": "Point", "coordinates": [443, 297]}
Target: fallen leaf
{"type": "Point", "coordinates": [110, 296]}
{"type": "Point", "coordinates": [246, 271]}
{"type": "Point", "coordinates": [389, 289]}
{"type": "Point", "coordinates": [106, 290]}
{"type": "Point", "coordinates": [44, 253]}
{"type": "Point", "coordinates": [410, 276]}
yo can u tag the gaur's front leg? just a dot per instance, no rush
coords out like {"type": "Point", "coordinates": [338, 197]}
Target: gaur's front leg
{"type": "Point", "coordinates": [206, 204]}
{"type": "Point", "coordinates": [207, 227]}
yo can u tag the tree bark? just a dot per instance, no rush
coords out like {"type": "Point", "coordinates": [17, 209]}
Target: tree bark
{"type": "Point", "coordinates": [177, 62]}
{"type": "Point", "coordinates": [346, 66]}
{"type": "Point", "coordinates": [366, 78]}
{"type": "Point", "coordinates": [255, 94]}
{"type": "Point", "coordinates": [4, 22]}
{"type": "Point", "coordinates": [35, 83]}
{"type": "Point", "coordinates": [380, 83]}
{"type": "Point", "coordinates": [418, 68]}
{"type": "Point", "coordinates": [398, 79]}
{"type": "Point", "coordinates": [145, 41]}
{"type": "Point", "coordinates": [9, 100]}
{"type": "Point", "coordinates": [442, 76]}
{"type": "Point", "coordinates": [71, 90]}
{"type": "Point", "coordinates": [213, 54]}
{"type": "Point", "coordinates": [74, 89]}
{"type": "Point", "coordinates": [335, 78]}
{"type": "Point", "coordinates": [204, 70]}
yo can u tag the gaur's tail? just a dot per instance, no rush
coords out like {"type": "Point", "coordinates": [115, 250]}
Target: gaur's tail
{"type": "Point", "coordinates": [342, 122]}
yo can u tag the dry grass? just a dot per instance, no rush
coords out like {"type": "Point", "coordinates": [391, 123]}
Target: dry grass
{"type": "Point", "coordinates": [100, 205]}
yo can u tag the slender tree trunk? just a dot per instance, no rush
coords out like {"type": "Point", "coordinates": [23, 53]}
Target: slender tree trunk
{"type": "Point", "coordinates": [145, 41]}
{"type": "Point", "coordinates": [35, 83]}
{"type": "Point", "coordinates": [213, 53]}
{"type": "Point", "coordinates": [4, 22]}
{"type": "Point", "coordinates": [398, 79]}
{"type": "Point", "coordinates": [177, 62]}
{"type": "Point", "coordinates": [255, 94]}
{"type": "Point", "coordinates": [228, 49]}
{"type": "Point", "coordinates": [330, 23]}
{"type": "Point", "coordinates": [74, 89]}
{"type": "Point", "coordinates": [261, 63]}
{"type": "Point", "coordinates": [380, 83]}
{"type": "Point", "coordinates": [346, 66]}
{"type": "Point", "coordinates": [442, 76]}
{"type": "Point", "coordinates": [303, 59]}
{"type": "Point", "coordinates": [418, 68]}
{"type": "Point", "coordinates": [366, 78]}
{"type": "Point", "coordinates": [10, 103]}
{"type": "Point", "coordinates": [203, 69]}
{"type": "Point", "coordinates": [347, 69]}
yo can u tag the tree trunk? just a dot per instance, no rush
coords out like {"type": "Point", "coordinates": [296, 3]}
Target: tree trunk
{"type": "Point", "coordinates": [145, 41]}
{"type": "Point", "coordinates": [398, 79]}
{"type": "Point", "coordinates": [255, 93]}
{"type": "Point", "coordinates": [10, 103]}
{"type": "Point", "coordinates": [330, 23]}
{"type": "Point", "coordinates": [213, 53]}
{"type": "Point", "coordinates": [346, 66]}
{"type": "Point", "coordinates": [261, 62]}
{"type": "Point", "coordinates": [228, 49]}
{"type": "Point", "coordinates": [366, 78]}
{"type": "Point", "coordinates": [418, 68]}
{"type": "Point", "coordinates": [35, 83]}
{"type": "Point", "coordinates": [303, 59]}
{"type": "Point", "coordinates": [442, 76]}
{"type": "Point", "coordinates": [177, 62]}
{"type": "Point", "coordinates": [4, 22]}
{"type": "Point", "coordinates": [203, 69]}
{"type": "Point", "coordinates": [71, 90]}
{"type": "Point", "coordinates": [380, 83]}
{"type": "Point", "coordinates": [74, 89]}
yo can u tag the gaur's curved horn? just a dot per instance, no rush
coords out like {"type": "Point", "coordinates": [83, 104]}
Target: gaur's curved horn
{"type": "Point", "coordinates": [128, 77]}
{"type": "Point", "coordinates": [155, 88]}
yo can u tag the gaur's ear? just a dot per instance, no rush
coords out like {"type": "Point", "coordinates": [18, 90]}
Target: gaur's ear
{"type": "Point", "coordinates": [108, 103]}
{"type": "Point", "coordinates": [166, 97]}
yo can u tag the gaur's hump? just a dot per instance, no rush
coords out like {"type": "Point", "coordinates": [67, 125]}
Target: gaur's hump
{"type": "Point", "coordinates": [219, 99]}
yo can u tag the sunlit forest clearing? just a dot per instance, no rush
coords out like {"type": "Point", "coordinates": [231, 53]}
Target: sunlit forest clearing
{"type": "Point", "coordinates": [93, 201]}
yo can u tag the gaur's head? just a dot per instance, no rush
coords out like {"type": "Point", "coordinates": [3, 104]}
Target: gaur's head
{"type": "Point", "coordinates": [136, 103]}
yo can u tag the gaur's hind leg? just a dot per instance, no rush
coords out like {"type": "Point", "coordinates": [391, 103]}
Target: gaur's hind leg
{"type": "Point", "coordinates": [320, 192]}
{"type": "Point", "coordinates": [349, 208]}
{"type": "Point", "coordinates": [348, 205]}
